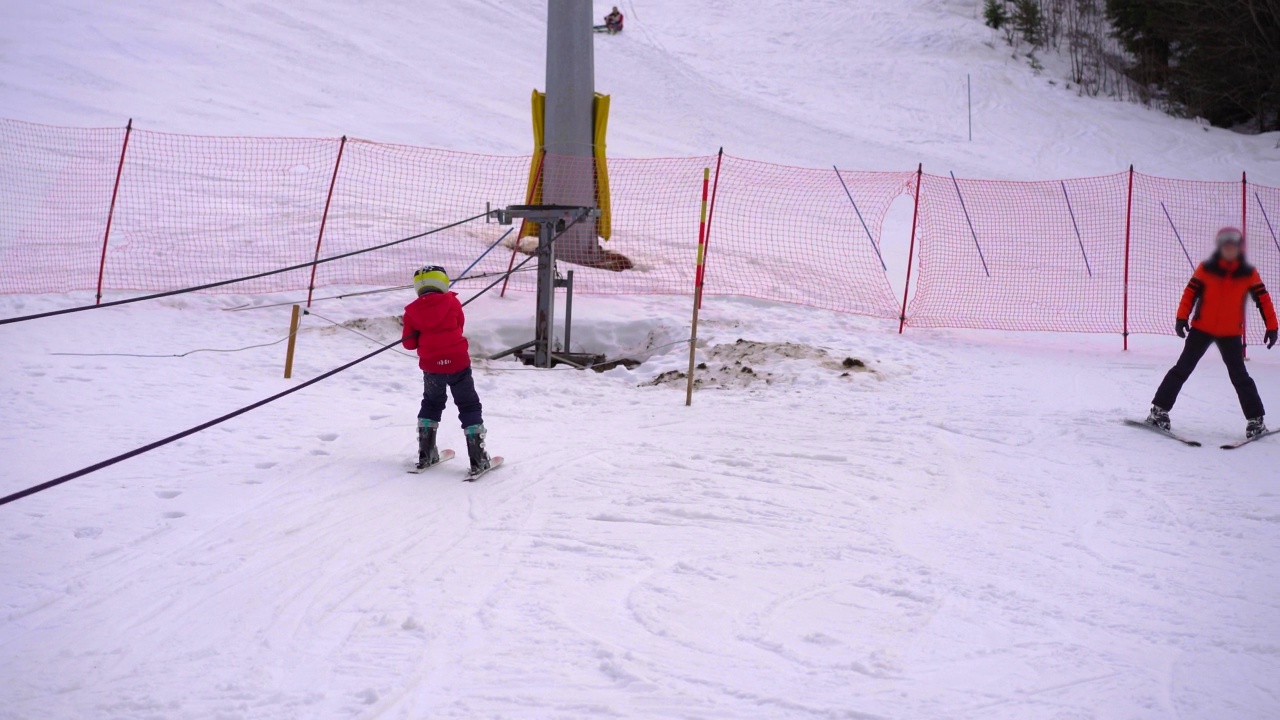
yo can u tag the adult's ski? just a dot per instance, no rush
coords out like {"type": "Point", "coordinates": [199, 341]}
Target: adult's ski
{"type": "Point", "coordinates": [1242, 443]}
{"type": "Point", "coordinates": [1161, 431]}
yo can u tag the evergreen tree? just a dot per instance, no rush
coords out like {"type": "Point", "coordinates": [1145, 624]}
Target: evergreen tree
{"type": "Point", "coordinates": [1144, 32]}
{"type": "Point", "coordinates": [1219, 60]}
{"type": "Point", "coordinates": [1029, 21]}
{"type": "Point", "coordinates": [995, 14]}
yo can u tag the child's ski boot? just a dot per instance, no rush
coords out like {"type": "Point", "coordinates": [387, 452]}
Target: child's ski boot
{"type": "Point", "coordinates": [428, 454]}
{"type": "Point", "coordinates": [480, 462]}
{"type": "Point", "coordinates": [475, 449]}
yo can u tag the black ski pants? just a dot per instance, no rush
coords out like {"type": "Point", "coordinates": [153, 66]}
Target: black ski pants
{"type": "Point", "coordinates": [1232, 349]}
{"type": "Point", "coordinates": [463, 387]}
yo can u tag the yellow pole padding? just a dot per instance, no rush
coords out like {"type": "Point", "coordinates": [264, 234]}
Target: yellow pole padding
{"type": "Point", "coordinates": [604, 224]}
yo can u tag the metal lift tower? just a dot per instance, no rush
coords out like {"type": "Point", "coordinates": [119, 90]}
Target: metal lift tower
{"type": "Point", "coordinates": [569, 163]}
{"type": "Point", "coordinates": [554, 223]}
{"type": "Point", "coordinates": [567, 219]}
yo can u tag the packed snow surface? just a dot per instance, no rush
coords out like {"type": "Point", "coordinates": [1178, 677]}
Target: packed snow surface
{"type": "Point", "coordinates": [962, 528]}
{"type": "Point", "coordinates": [847, 523]}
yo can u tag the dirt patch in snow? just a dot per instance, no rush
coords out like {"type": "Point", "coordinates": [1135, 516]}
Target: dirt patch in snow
{"type": "Point", "coordinates": [748, 362]}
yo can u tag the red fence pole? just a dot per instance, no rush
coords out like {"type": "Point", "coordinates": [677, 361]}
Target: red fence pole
{"type": "Point", "coordinates": [1244, 204]}
{"type": "Point", "coordinates": [324, 218]}
{"type": "Point", "coordinates": [1244, 232]}
{"type": "Point", "coordinates": [528, 200]}
{"type": "Point", "coordinates": [115, 191]}
{"type": "Point", "coordinates": [715, 187]}
{"type": "Point", "coordinates": [911, 253]}
{"type": "Point", "coordinates": [1128, 223]}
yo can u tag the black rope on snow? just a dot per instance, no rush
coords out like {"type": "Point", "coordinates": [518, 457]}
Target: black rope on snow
{"type": "Point", "coordinates": [189, 431]}
{"type": "Point", "coordinates": [221, 283]}
{"type": "Point", "coordinates": [236, 413]}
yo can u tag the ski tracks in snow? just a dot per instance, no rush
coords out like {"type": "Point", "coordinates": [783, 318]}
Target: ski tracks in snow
{"type": "Point", "coordinates": [951, 537]}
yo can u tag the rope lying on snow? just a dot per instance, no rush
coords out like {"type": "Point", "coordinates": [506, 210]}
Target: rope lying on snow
{"type": "Point", "coordinates": [178, 355]}
{"type": "Point", "coordinates": [189, 431]}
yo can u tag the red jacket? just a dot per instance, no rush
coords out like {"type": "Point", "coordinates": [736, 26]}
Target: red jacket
{"type": "Point", "coordinates": [433, 326]}
{"type": "Point", "coordinates": [1217, 294]}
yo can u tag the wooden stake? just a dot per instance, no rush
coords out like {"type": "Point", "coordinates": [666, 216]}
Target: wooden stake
{"type": "Point", "coordinates": [697, 285]}
{"type": "Point", "coordinates": [693, 345]}
{"type": "Point", "coordinates": [293, 338]}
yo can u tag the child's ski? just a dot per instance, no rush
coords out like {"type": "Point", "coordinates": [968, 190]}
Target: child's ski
{"type": "Point", "coordinates": [445, 456]}
{"type": "Point", "coordinates": [1161, 431]}
{"type": "Point", "coordinates": [1242, 443]}
{"type": "Point", "coordinates": [494, 463]}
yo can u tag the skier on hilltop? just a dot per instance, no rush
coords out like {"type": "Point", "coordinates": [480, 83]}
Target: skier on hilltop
{"type": "Point", "coordinates": [613, 21]}
{"type": "Point", "coordinates": [433, 326]}
{"type": "Point", "coordinates": [1217, 294]}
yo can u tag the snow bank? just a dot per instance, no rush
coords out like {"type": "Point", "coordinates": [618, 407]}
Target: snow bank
{"type": "Point", "coordinates": [867, 85]}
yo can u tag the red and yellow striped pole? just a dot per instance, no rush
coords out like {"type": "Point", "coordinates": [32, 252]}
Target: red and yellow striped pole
{"type": "Point", "coordinates": [697, 284]}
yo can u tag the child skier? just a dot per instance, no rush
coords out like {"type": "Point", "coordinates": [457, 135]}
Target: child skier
{"type": "Point", "coordinates": [433, 326]}
{"type": "Point", "coordinates": [1217, 294]}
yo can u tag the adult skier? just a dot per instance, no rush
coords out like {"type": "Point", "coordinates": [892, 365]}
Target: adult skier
{"type": "Point", "coordinates": [1212, 313]}
{"type": "Point", "coordinates": [433, 325]}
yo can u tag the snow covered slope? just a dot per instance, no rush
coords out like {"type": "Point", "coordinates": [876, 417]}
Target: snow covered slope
{"type": "Point", "coordinates": [869, 85]}
{"type": "Point", "coordinates": [961, 530]}
{"type": "Point", "coordinates": [959, 527]}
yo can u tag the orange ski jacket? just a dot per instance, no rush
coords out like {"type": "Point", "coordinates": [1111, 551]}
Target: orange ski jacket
{"type": "Point", "coordinates": [1217, 293]}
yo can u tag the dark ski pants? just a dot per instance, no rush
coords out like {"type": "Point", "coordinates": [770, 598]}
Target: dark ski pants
{"type": "Point", "coordinates": [463, 388]}
{"type": "Point", "coordinates": [1232, 349]}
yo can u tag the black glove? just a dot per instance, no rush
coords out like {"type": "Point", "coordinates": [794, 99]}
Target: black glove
{"type": "Point", "coordinates": [1270, 339]}
{"type": "Point", "coordinates": [1181, 328]}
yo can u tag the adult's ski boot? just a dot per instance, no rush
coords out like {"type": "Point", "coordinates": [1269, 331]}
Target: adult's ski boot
{"type": "Point", "coordinates": [1159, 418]}
{"type": "Point", "coordinates": [1256, 428]}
